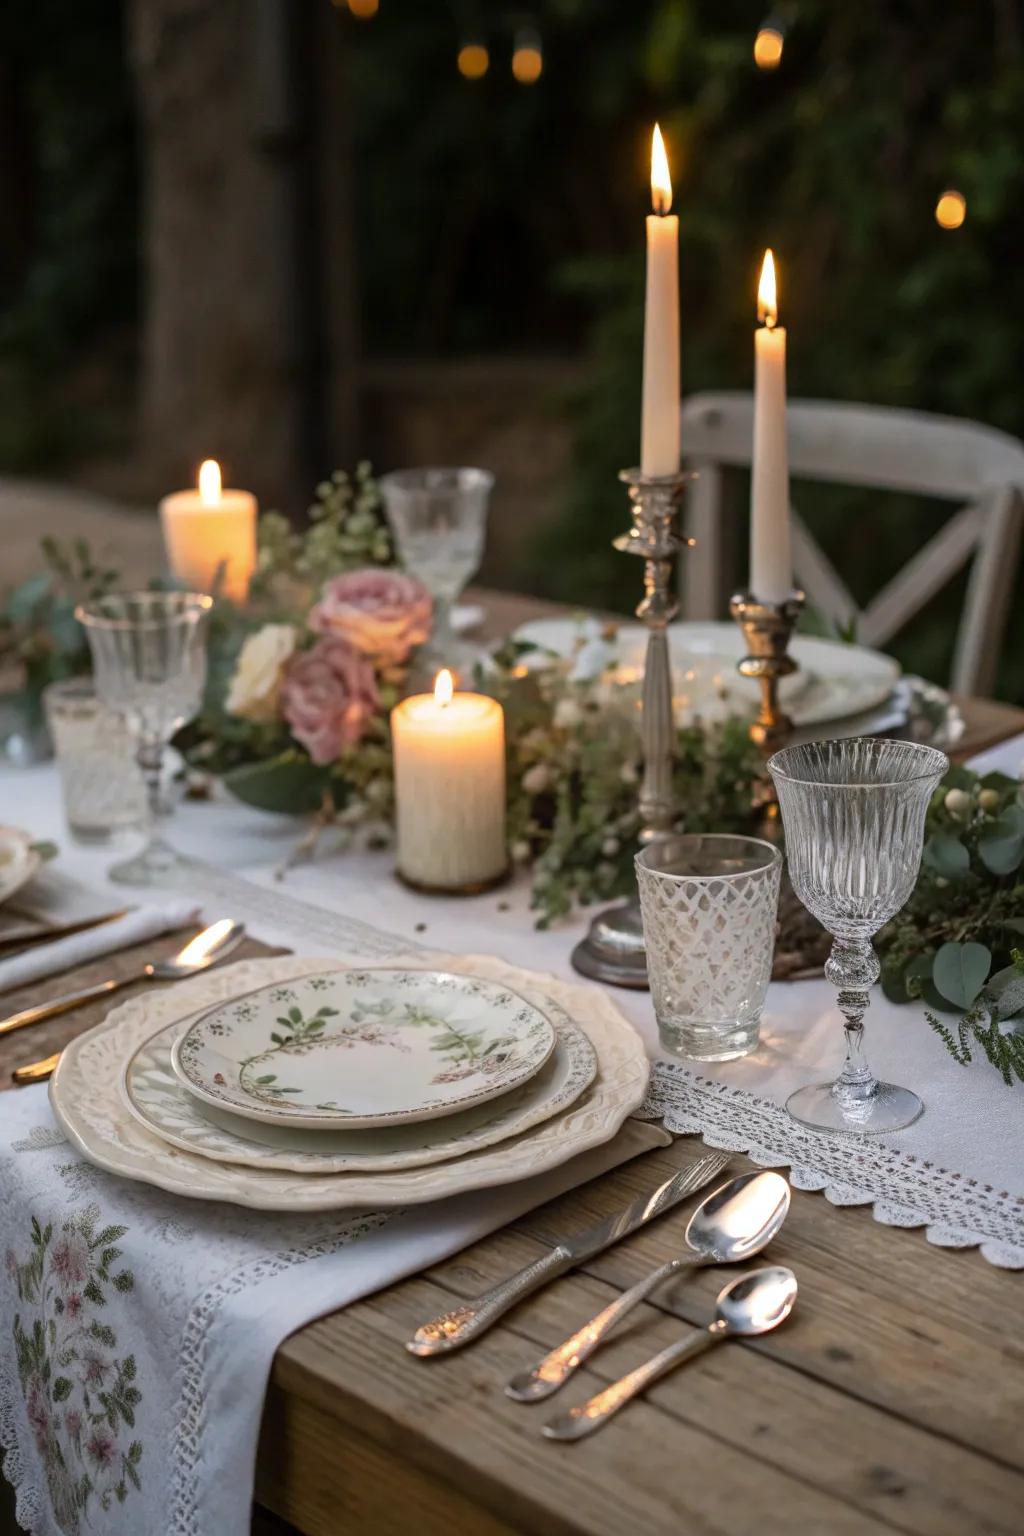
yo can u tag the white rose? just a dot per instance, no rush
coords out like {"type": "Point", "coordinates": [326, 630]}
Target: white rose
{"type": "Point", "coordinates": [256, 685]}
{"type": "Point", "coordinates": [958, 802]}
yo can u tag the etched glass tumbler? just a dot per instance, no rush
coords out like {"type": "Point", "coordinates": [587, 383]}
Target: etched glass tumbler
{"type": "Point", "coordinates": [149, 664]}
{"type": "Point", "coordinates": [439, 520]}
{"type": "Point", "coordinates": [853, 815]}
{"type": "Point", "coordinates": [709, 903]}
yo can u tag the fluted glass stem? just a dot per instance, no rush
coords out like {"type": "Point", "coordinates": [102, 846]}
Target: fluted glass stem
{"type": "Point", "coordinates": [852, 968]}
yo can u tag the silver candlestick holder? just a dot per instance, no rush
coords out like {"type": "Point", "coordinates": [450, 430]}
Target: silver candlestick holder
{"type": "Point", "coordinates": [613, 950]}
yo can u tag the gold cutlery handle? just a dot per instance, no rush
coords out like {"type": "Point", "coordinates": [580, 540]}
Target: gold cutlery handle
{"type": "Point", "coordinates": [35, 1071]}
{"type": "Point", "coordinates": [462, 1324]}
{"type": "Point", "coordinates": [58, 1005]}
{"type": "Point", "coordinates": [554, 1370]}
{"type": "Point", "coordinates": [582, 1421]}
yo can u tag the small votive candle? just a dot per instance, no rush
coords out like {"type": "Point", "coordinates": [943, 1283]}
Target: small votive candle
{"type": "Point", "coordinates": [449, 759]}
{"type": "Point", "coordinates": [210, 534]}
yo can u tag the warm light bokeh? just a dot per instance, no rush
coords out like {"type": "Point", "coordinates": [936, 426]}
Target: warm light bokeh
{"type": "Point", "coordinates": [951, 210]}
{"type": "Point", "coordinates": [768, 48]}
{"type": "Point", "coordinates": [527, 64]}
{"type": "Point", "coordinates": [444, 687]}
{"type": "Point", "coordinates": [661, 181]}
{"type": "Point", "coordinates": [473, 61]}
{"type": "Point", "coordinates": [209, 482]}
{"type": "Point", "coordinates": [364, 9]}
{"type": "Point", "coordinates": [767, 292]}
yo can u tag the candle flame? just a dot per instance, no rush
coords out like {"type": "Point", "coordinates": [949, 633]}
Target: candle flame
{"type": "Point", "coordinates": [767, 300]}
{"type": "Point", "coordinates": [209, 482]}
{"type": "Point", "coordinates": [444, 688]}
{"type": "Point", "coordinates": [661, 181]}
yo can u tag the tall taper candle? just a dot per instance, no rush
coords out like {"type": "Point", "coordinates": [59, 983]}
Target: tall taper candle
{"type": "Point", "coordinates": [771, 561]}
{"type": "Point", "coordinates": [659, 452]}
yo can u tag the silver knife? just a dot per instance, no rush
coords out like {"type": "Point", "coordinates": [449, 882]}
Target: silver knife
{"type": "Point", "coordinates": [467, 1322]}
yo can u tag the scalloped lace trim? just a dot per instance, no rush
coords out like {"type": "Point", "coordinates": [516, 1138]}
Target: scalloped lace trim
{"type": "Point", "coordinates": [903, 1190]}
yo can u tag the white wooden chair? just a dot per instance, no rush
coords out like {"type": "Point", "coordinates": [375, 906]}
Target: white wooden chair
{"type": "Point", "coordinates": [891, 450]}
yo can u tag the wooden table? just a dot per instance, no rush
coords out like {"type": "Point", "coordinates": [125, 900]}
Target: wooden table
{"type": "Point", "coordinates": [893, 1399]}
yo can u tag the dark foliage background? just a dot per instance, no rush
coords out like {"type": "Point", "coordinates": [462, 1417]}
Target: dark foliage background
{"type": "Point", "coordinates": [493, 217]}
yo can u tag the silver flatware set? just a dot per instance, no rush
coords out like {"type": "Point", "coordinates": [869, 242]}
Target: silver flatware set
{"type": "Point", "coordinates": [732, 1224]}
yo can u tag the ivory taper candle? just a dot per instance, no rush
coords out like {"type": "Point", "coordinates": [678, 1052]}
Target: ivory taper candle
{"type": "Point", "coordinates": [209, 533]}
{"type": "Point", "coordinates": [771, 560]}
{"type": "Point", "coordinates": [449, 761]}
{"type": "Point", "coordinates": [659, 448]}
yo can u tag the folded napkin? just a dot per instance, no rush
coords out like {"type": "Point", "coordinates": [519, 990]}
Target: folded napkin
{"type": "Point", "coordinates": [137, 1329]}
{"type": "Point", "coordinates": [134, 928]}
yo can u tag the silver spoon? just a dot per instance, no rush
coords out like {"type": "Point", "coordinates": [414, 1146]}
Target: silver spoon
{"type": "Point", "coordinates": [206, 948]}
{"type": "Point", "coordinates": [736, 1221]}
{"type": "Point", "coordinates": [750, 1304]}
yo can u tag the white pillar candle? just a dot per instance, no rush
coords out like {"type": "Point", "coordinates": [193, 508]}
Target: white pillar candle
{"type": "Point", "coordinates": [449, 759]}
{"type": "Point", "coordinates": [771, 561]}
{"type": "Point", "coordinates": [659, 450]}
{"type": "Point", "coordinates": [208, 529]}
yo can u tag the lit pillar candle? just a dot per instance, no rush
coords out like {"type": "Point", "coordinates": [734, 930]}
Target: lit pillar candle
{"type": "Point", "coordinates": [659, 451]}
{"type": "Point", "coordinates": [449, 759]}
{"type": "Point", "coordinates": [771, 562]}
{"type": "Point", "coordinates": [209, 529]}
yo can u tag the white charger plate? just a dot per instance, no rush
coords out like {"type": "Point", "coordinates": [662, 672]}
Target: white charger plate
{"type": "Point", "coordinates": [834, 679]}
{"type": "Point", "coordinates": [355, 1049]}
{"type": "Point", "coordinates": [160, 1102]}
{"type": "Point", "coordinates": [87, 1102]}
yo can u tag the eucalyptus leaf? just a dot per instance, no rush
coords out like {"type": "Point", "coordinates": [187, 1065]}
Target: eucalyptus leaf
{"type": "Point", "coordinates": [28, 595]}
{"type": "Point", "coordinates": [288, 784]}
{"type": "Point", "coordinates": [1001, 844]}
{"type": "Point", "coordinates": [999, 781]}
{"type": "Point", "coordinates": [947, 856]}
{"type": "Point", "coordinates": [1011, 999]}
{"type": "Point", "coordinates": [959, 972]}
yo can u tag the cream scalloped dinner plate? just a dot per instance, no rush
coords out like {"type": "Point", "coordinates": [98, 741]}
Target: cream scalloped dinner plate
{"type": "Point", "coordinates": [160, 1102]}
{"type": "Point", "coordinates": [345, 1050]}
{"type": "Point", "coordinates": [834, 680]}
{"type": "Point", "coordinates": [19, 860]}
{"type": "Point", "coordinates": [86, 1097]}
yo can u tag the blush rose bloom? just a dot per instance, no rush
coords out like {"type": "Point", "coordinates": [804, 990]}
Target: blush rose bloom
{"type": "Point", "coordinates": [384, 614]}
{"type": "Point", "coordinates": [255, 692]}
{"type": "Point", "coordinates": [328, 696]}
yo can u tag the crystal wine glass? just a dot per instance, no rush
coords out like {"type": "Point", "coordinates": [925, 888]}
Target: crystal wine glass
{"type": "Point", "coordinates": [149, 661]}
{"type": "Point", "coordinates": [853, 815]}
{"type": "Point", "coordinates": [439, 517]}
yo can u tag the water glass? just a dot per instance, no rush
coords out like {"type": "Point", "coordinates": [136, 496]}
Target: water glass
{"type": "Point", "coordinates": [149, 665]}
{"type": "Point", "coordinates": [100, 778]}
{"type": "Point", "coordinates": [709, 904]}
{"type": "Point", "coordinates": [439, 519]}
{"type": "Point", "coordinates": [853, 812]}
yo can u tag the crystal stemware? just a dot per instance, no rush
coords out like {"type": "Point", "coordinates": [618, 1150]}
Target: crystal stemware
{"type": "Point", "coordinates": [853, 815]}
{"type": "Point", "coordinates": [439, 517]}
{"type": "Point", "coordinates": [149, 663]}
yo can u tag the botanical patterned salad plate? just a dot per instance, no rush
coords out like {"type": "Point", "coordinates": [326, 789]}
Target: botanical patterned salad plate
{"type": "Point", "coordinates": [160, 1102]}
{"type": "Point", "coordinates": [87, 1101]}
{"type": "Point", "coordinates": [352, 1049]}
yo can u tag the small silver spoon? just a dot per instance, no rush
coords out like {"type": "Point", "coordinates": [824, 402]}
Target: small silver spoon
{"type": "Point", "coordinates": [736, 1221]}
{"type": "Point", "coordinates": [750, 1304]}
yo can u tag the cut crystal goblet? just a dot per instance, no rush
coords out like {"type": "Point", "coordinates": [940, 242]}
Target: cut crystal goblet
{"type": "Point", "coordinates": [853, 815]}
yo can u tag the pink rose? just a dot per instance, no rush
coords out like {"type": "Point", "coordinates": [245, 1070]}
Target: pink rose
{"type": "Point", "coordinates": [328, 696]}
{"type": "Point", "coordinates": [384, 614]}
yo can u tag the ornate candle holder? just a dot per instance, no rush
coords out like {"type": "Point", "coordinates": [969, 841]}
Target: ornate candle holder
{"type": "Point", "coordinates": [613, 950]}
{"type": "Point", "coordinates": [767, 628]}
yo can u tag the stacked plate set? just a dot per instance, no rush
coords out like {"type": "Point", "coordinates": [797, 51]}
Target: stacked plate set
{"type": "Point", "coordinates": [290, 1084]}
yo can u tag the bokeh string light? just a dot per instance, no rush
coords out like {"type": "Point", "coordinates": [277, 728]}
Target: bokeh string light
{"type": "Point", "coordinates": [473, 60]}
{"type": "Point", "coordinates": [527, 56]}
{"type": "Point", "coordinates": [363, 9]}
{"type": "Point", "coordinates": [768, 45]}
{"type": "Point", "coordinates": [951, 209]}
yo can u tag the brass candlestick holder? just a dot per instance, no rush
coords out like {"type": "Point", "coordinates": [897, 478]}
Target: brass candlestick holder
{"type": "Point", "coordinates": [767, 629]}
{"type": "Point", "coordinates": [613, 950]}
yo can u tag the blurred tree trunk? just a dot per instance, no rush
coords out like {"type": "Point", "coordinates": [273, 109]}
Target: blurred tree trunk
{"type": "Point", "coordinates": [247, 285]}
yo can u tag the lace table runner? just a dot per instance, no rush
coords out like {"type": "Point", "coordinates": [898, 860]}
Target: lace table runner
{"type": "Point", "coordinates": [958, 1172]}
